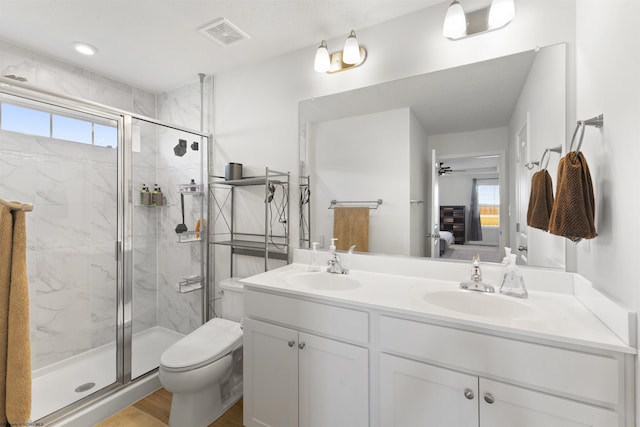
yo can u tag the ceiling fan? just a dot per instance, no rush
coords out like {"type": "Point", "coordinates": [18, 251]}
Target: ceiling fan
{"type": "Point", "coordinates": [447, 169]}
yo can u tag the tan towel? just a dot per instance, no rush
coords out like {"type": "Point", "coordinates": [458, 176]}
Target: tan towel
{"type": "Point", "coordinates": [540, 200]}
{"type": "Point", "coordinates": [15, 350]}
{"type": "Point", "coordinates": [574, 208]}
{"type": "Point", "coordinates": [351, 227]}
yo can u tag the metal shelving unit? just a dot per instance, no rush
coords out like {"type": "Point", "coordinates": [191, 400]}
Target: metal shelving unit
{"type": "Point", "coordinates": [223, 217]}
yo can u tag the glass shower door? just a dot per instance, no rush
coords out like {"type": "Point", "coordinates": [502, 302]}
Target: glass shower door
{"type": "Point", "coordinates": [64, 160]}
{"type": "Point", "coordinates": [168, 266]}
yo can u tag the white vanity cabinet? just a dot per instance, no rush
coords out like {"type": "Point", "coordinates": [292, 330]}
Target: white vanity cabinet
{"type": "Point", "coordinates": [543, 386]}
{"type": "Point", "coordinates": [293, 377]}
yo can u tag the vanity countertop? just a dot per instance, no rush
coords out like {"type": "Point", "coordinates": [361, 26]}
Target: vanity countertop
{"type": "Point", "coordinates": [556, 318]}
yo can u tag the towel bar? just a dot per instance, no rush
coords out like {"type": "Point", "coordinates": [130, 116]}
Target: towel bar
{"type": "Point", "coordinates": [377, 203]}
{"type": "Point", "coordinates": [17, 206]}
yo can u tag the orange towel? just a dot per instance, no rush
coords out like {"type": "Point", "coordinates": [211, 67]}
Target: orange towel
{"type": "Point", "coordinates": [574, 208]}
{"type": "Point", "coordinates": [351, 227]}
{"type": "Point", "coordinates": [15, 351]}
{"type": "Point", "coordinates": [540, 200]}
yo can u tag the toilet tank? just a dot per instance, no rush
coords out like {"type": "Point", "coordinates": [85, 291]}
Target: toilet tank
{"type": "Point", "coordinates": [232, 299]}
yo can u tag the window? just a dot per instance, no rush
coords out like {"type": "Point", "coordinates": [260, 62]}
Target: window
{"type": "Point", "coordinates": [489, 201]}
{"type": "Point", "coordinates": [25, 120]}
{"type": "Point", "coordinates": [83, 128]}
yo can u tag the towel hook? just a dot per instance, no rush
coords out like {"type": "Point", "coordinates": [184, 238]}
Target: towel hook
{"type": "Point", "coordinates": [542, 160]}
{"type": "Point", "coordinates": [580, 124]}
{"type": "Point", "coordinates": [547, 152]}
{"type": "Point", "coordinates": [597, 121]}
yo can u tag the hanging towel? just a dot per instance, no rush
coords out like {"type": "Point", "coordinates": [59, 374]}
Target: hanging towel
{"type": "Point", "coordinates": [540, 200]}
{"type": "Point", "coordinates": [351, 227]}
{"type": "Point", "coordinates": [15, 351]}
{"type": "Point", "coordinates": [574, 208]}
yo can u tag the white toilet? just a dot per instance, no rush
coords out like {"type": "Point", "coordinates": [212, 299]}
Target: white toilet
{"type": "Point", "coordinates": [198, 368]}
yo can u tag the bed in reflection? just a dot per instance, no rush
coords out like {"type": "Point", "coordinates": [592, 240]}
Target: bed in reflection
{"type": "Point", "coordinates": [446, 240]}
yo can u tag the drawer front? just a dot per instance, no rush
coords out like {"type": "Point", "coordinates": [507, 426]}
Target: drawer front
{"type": "Point", "coordinates": [337, 322]}
{"type": "Point", "coordinates": [584, 375]}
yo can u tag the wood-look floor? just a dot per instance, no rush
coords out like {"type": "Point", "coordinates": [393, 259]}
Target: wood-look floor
{"type": "Point", "coordinates": [153, 411]}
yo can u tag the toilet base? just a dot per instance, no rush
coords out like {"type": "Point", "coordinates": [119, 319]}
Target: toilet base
{"type": "Point", "coordinates": [196, 409]}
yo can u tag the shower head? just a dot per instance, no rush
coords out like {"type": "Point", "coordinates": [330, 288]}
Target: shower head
{"type": "Point", "coordinates": [181, 148]}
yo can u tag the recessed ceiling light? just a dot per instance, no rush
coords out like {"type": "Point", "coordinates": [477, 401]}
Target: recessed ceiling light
{"type": "Point", "coordinates": [85, 49]}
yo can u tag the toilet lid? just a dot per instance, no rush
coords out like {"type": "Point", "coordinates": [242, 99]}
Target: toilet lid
{"type": "Point", "coordinates": [202, 346]}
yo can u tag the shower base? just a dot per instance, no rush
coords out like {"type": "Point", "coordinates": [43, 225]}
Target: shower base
{"type": "Point", "coordinates": [54, 386]}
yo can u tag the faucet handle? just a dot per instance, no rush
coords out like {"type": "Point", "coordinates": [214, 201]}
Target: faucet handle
{"type": "Point", "coordinates": [351, 249]}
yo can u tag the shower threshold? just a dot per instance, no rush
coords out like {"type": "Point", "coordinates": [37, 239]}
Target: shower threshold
{"type": "Point", "coordinates": [65, 382]}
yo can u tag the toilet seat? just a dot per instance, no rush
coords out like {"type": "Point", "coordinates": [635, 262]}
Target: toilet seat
{"type": "Point", "coordinates": [205, 345]}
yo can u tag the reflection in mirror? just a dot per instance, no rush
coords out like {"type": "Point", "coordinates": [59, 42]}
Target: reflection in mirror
{"type": "Point", "coordinates": [419, 143]}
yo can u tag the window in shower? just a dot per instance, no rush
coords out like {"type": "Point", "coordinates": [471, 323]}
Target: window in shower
{"type": "Point", "coordinates": [65, 127]}
{"type": "Point", "coordinates": [25, 120]}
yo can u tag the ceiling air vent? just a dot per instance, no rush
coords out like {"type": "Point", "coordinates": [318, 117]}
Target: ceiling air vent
{"type": "Point", "coordinates": [223, 32]}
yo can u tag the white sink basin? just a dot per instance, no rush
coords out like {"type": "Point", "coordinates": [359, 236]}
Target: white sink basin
{"type": "Point", "coordinates": [480, 304]}
{"type": "Point", "coordinates": [323, 281]}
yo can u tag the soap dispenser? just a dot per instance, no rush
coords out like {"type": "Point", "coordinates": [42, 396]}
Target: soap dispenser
{"type": "Point", "coordinates": [313, 260]}
{"type": "Point", "coordinates": [512, 280]}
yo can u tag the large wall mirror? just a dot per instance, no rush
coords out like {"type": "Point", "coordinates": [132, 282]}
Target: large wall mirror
{"type": "Point", "coordinates": [450, 155]}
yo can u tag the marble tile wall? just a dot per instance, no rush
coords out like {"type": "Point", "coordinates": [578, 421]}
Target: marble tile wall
{"type": "Point", "coordinates": [180, 311]}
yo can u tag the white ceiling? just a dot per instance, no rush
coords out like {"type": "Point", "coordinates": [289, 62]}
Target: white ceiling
{"type": "Point", "coordinates": [155, 44]}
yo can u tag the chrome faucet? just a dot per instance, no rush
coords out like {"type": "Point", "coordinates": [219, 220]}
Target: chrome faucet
{"type": "Point", "coordinates": [335, 265]}
{"type": "Point", "coordinates": [476, 283]}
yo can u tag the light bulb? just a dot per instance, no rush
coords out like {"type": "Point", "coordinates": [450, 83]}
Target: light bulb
{"type": "Point", "coordinates": [322, 63]}
{"type": "Point", "coordinates": [84, 48]}
{"type": "Point", "coordinates": [501, 13]}
{"type": "Point", "coordinates": [351, 51]}
{"type": "Point", "coordinates": [455, 21]}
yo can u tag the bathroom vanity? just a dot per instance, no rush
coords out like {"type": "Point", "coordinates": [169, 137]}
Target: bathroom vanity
{"type": "Point", "coordinates": [397, 343]}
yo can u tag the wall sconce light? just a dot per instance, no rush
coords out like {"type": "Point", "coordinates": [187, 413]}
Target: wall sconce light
{"type": "Point", "coordinates": [458, 24]}
{"type": "Point", "coordinates": [351, 56]}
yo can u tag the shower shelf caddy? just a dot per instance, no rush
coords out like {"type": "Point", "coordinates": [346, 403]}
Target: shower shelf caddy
{"type": "Point", "coordinates": [273, 241]}
{"type": "Point", "coordinates": [194, 190]}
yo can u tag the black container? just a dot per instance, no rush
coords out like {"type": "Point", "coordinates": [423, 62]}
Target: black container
{"type": "Point", "coordinates": [233, 171]}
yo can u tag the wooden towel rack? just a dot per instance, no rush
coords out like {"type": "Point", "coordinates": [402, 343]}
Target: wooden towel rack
{"type": "Point", "coordinates": [17, 206]}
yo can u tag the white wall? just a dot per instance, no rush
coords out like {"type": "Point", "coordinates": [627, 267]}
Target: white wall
{"type": "Point", "coordinates": [543, 100]}
{"type": "Point", "coordinates": [343, 171]}
{"type": "Point", "coordinates": [608, 66]}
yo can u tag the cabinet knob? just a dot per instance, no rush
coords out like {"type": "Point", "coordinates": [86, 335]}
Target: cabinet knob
{"type": "Point", "coordinates": [468, 393]}
{"type": "Point", "coordinates": [488, 397]}
{"type": "Point", "coordinates": [291, 343]}
{"type": "Point", "coordinates": [301, 345]}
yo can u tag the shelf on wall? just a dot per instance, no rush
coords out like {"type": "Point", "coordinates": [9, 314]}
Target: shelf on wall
{"type": "Point", "coordinates": [189, 236]}
{"type": "Point", "coordinates": [257, 249]}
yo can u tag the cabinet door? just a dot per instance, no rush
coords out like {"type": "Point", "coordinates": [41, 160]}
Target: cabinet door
{"type": "Point", "coordinates": [414, 394]}
{"type": "Point", "coordinates": [270, 375]}
{"type": "Point", "coordinates": [334, 383]}
{"type": "Point", "coordinates": [526, 408]}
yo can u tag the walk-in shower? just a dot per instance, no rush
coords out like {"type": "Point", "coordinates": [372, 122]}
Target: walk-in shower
{"type": "Point", "coordinates": [105, 264]}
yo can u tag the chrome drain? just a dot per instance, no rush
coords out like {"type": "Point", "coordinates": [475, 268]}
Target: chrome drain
{"type": "Point", "coordinates": [85, 387]}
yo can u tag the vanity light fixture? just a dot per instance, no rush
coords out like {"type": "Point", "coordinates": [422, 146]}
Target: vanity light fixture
{"type": "Point", "coordinates": [455, 21]}
{"type": "Point", "coordinates": [85, 49]}
{"type": "Point", "coordinates": [322, 63]}
{"type": "Point", "coordinates": [351, 51]}
{"type": "Point", "coordinates": [458, 24]}
{"type": "Point", "coordinates": [353, 55]}
{"type": "Point", "coordinates": [501, 13]}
